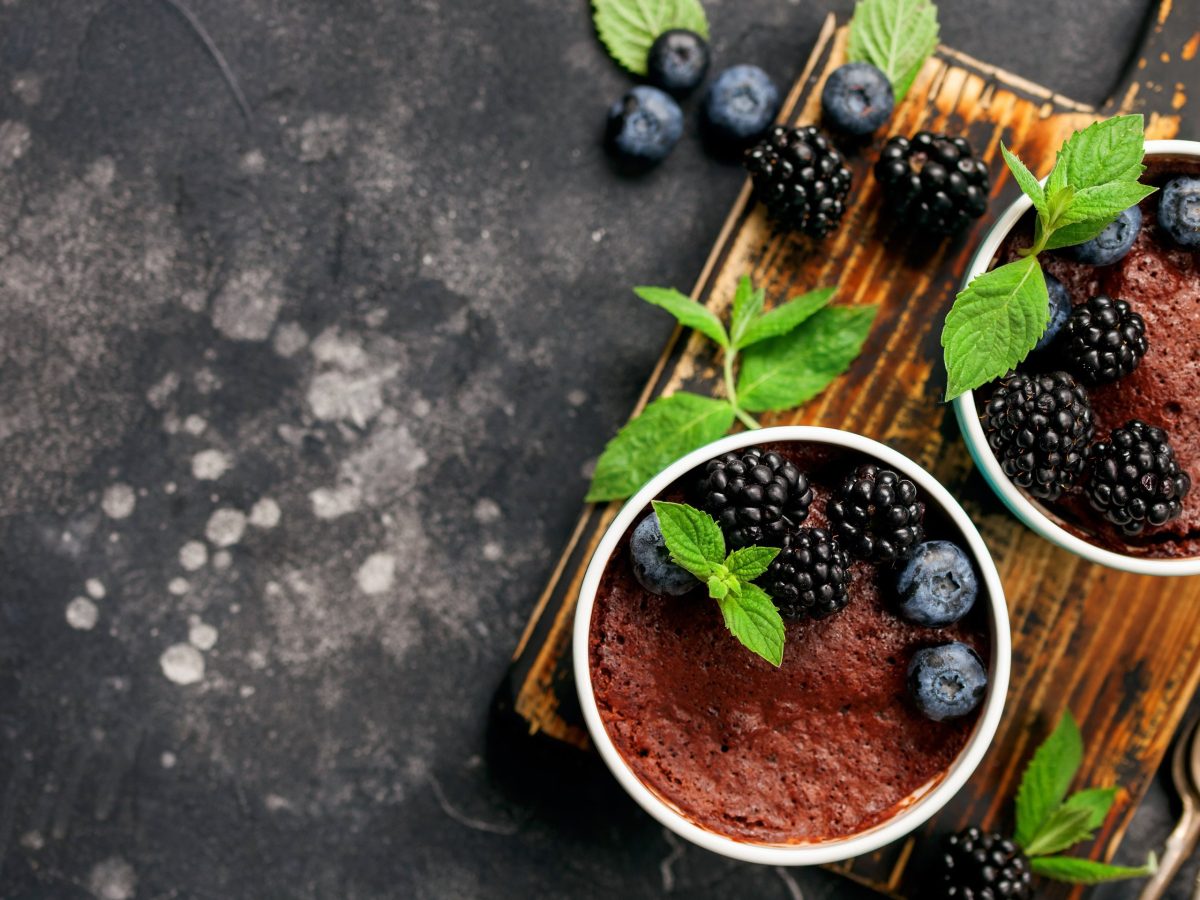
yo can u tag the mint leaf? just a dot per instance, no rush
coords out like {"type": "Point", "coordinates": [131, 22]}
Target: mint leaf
{"type": "Point", "coordinates": [1108, 150]}
{"type": "Point", "coordinates": [693, 538]}
{"type": "Point", "coordinates": [1065, 827]}
{"type": "Point", "coordinates": [628, 27]}
{"type": "Point", "coordinates": [895, 36]}
{"type": "Point", "coordinates": [1097, 801]}
{"type": "Point", "coordinates": [1104, 201]}
{"type": "Point", "coordinates": [786, 317]}
{"type": "Point", "coordinates": [1076, 233]}
{"type": "Point", "coordinates": [747, 304]}
{"type": "Point", "coordinates": [1086, 871]}
{"type": "Point", "coordinates": [789, 370]}
{"type": "Point", "coordinates": [750, 562]}
{"type": "Point", "coordinates": [718, 587]}
{"type": "Point", "coordinates": [1025, 180]}
{"type": "Point", "coordinates": [752, 618]}
{"type": "Point", "coordinates": [689, 313]}
{"type": "Point", "coordinates": [666, 430]}
{"type": "Point", "coordinates": [1047, 778]}
{"type": "Point", "coordinates": [994, 323]}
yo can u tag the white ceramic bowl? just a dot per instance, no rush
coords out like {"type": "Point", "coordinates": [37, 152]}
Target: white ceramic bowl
{"type": "Point", "coordinates": [1023, 506]}
{"type": "Point", "coordinates": [924, 802]}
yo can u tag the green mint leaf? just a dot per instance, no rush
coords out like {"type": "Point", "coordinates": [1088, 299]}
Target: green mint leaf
{"type": "Point", "coordinates": [1025, 180]}
{"type": "Point", "coordinates": [666, 430]}
{"type": "Point", "coordinates": [747, 304]}
{"type": "Point", "coordinates": [689, 313]}
{"type": "Point", "coordinates": [1063, 828]}
{"type": "Point", "coordinates": [718, 589]}
{"type": "Point", "coordinates": [895, 36]}
{"type": "Point", "coordinates": [786, 371]}
{"type": "Point", "coordinates": [693, 538]}
{"type": "Point", "coordinates": [1086, 871]}
{"type": "Point", "coordinates": [750, 562]}
{"type": "Point", "coordinates": [1108, 150]}
{"type": "Point", "coordinates": [994, 323]}
{"type": "Point", "coordinates": [1104, 201]}
{"type": "Point", "coordinates": [752, 618]}
{"type": "Point", "coordinates": [1097, 801]}
{"type": "Point", "coordinates": [1076, 233]}
{"type": "Point", "coordinates": [628, 27]}
{"type": "Point", "coordinates": [786, 317]}
{"type": "Point", "coordinates": [1047, 778]}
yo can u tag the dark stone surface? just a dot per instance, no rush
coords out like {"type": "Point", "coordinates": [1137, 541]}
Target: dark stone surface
{"type": "Point", "coordinates": [390, 310]}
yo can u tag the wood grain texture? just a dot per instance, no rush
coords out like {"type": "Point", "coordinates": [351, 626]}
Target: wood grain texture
{"type": "Point", "coordinates": [1121, 651]}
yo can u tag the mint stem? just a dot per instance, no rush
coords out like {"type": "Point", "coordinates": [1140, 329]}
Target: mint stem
{"type": "Point", "coordinates": [731, 393]}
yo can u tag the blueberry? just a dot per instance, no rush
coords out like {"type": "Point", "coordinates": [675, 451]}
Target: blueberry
{"type": "Point", "coordinates": [1179, 211]}
{"type": "Point", "coordinates": [946, 682]}
{"type": "Point", "coordinates": [644, 125]}
{"type": "Point", "coordinates": [1060, 311]}
{"type": "Point", "coordinates": [937, 586]}
{"type": "Point", "coordinates": [678, 61]}
{"type": "Point", "coordinates": [740, 105]}
{"type": "Point", "coordinates": [652, 564]}
{"type": "Point", "coordinates": [857, 98]}
{"type": "Point", "coordinates": [1111, 245]}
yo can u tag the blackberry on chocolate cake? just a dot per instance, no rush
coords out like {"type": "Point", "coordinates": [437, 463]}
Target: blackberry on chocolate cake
{"type": "Point", "coordinates": [1136, 480]}
{"type": "Point", "coordinates": [810, 578]}
{"type": "Point", "coordinates": [876, 515]}
{"type": "Point", "coordinates": [1104, 340]}
{"type": "Point", "coordinates": [755, 497]}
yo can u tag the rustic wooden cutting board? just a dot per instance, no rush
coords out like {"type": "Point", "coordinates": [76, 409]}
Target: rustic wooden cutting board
{"type": "Point", "coordinates": [1122, 651]}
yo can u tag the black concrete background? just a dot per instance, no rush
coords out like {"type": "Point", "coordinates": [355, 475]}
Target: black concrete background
{"type": "Point", "coordinates": [384, 316]}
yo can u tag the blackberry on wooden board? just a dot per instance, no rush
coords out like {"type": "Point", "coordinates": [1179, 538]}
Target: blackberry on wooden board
{"type": "Point", "coordinates": [801, 178]}
{"type": "Point", "coordinates": [982, 866]}
{"type": "Point", "coordinates": [932, 181]}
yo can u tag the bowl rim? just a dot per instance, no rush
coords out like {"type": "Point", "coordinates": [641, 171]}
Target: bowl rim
{"type": "Point", "coordinates": [1022, 506]}
{"type": "Point", "coordinates": [927, 803]}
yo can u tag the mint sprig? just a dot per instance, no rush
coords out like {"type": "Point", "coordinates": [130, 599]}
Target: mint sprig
{"type": "Point", "coordinates": [895, 36]}
{"type": "Point", "coordinates": [1000, 316]}
{"type": "Point", "coordinates": [774, 360]}
{"type": "Point", "coordinates": [628, 28]}
{"type": "Point", "coordinates": [695, 542]}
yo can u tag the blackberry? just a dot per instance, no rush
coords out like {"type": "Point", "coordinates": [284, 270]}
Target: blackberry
{"type": "Point", "coordinates": [810, 578]}
{"type": "Point", "coordinates": [1135, 478]}
{"type": "Point", "coordinates": [1104, 340]}
{"type": "Point", "coordinates": [979, 866]}
{"type": "Point", "coordinates": [801, 178]}
{"type": "Point", "coordinates": [876, 515]}
{"type": "Point", "coordinates": [756, 497]}
{"type": "Point", "coordinates": [1039, 427]}
{"type": "Point", "coordinates": [932, 181]}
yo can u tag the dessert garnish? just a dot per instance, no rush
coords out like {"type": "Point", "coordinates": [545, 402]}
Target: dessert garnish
{"type": "Point", "coordinates": [947, 681]}
{"type": "Point", "coordinates": [755, 497]}
{"type": "Point", "coordinates": [1179, 211]}
{"type": "Point", "coordinates": [1002, 314]}
{"type": "Point", "coordinates": [1104, 340]}
{"type": "Point", "coordinates": [1135, 479]}
{"type": "Point", "coordinates": [677, 61]}
{"type": "Point", "coordinates": [976, 864]}
{"type": "Point", "coordinates": [644, 126]}
{"type": "Point", "coordinates": [739, 106]}
{"type": "Point", "coordinates": [857, 99]}
{"type": "Point", "coordinates": [895, 36]}
{"type": "Point", "coordinates": [652, 565]}
{"type": "Point", "coordinates": [932, 182]}
{"type": "Point", "coordinates": [629, 28]}
{"type": "Point", "coordinates": [937, 586]}
{"type": "Point", "coordinates": [801, 178]}
{"type": "Point", "coordinates": [1040, 428]}
{"type": "Point", "coordinates": [1112, 244]}
{"type": "Point", "coordinates": [810, 578]}
{"type": "Point", "coordinates": [695, 542]}
{"type": "Point", "coordinates": [774, 360]}
{"type": "Point", "coordinates": [1060, 310]}
{"type": "Point", "coordinates": [876, 515]}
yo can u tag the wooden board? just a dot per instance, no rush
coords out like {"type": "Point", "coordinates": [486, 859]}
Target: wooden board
{"type": "Point", "coordinates": [1122, 651]}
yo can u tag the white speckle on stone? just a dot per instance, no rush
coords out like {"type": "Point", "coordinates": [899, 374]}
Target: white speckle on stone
{"type": "Point", "coordinates": [274, 803]}
{"type": "Point", "coordinates": [82, 613]}
{"type": "Point", "coordinates": [101, 172]}
{"type": "Point", "coordinates": [196, 425]}
{"type": "Point", "coordinates": [119, 501]}
{"type": "Point", "coordinates": [492, 551]}
{"type": "Point", "coordinates": [256, 659]}
{"type": "Point", "coordinates": [202, 636]}
{"type": "Point", "coordinates": [179, 586]}
{"type": "Point", "coordinates": [252, 162]}
{"type": "Point", "coordinates": [182, 664]}
{"type": "Point", "coordinates": [421, 407]}
{"type": "Point", "coordinates": [427, 259]}
{"type": "Point", "coordinates": [168, 760]}
{"type": "Point", "coordinates": [222, 560]}
{"type": "Point", "coordinates": [265, 513]}
{"type": "Point", "coordinates": [33, 840]}
{"type": "Point", "coordinates": [487, 511]}
{"type": "Point", "coordinates": [321, 136]}
{"type": "Point", "coordinates": [598, 235]}
{"type": "Point", "coordinates": [588, 469]}
{"type": "Point", "coordinates": [246, 690]}
{"type": "Point", "coordinates": [377, 573]}
{"type": "Point", "coordinates": [355, 398]}
{"type": "Point", "coordinates": [160, 392]}
{"type": "Point", "coordinates": [113, 879]}
{"type": "Point", "coordinates": [331, 503]}
{"type": "Point", "coordinates": [194, 300]}
{"type": "Point", "coordinates": [95, 588]}
{"type": "Point", "coordinates": [206, 380]}
{"type": "Point", "coordinates": [333, 348]}
{"type": "Point", "coordinates": [28, 88]}
{"type": "Point", "coordinates": [289, 339]}
{"type": "Point", "coordinates": [225, 527]}
{"type": "Point", "coordinates": [193, 555]}
{"type": "Point", "coordinates": [14, 142]}
{"type": "Point", "coordinates": [246, 307]}
{"type": "Point", "coordinates": [209, 465]}
{"type": "Point", "coordinates": [577, 397]}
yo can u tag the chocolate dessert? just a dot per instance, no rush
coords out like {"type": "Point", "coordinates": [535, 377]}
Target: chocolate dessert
{"type": "Point", "coordinates": [825, 746]}
{"type": "Point", "coordinates": [1160, 280]}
